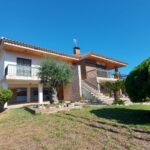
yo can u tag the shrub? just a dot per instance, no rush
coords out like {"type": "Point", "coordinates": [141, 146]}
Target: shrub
{"type": "Point", "coordinates": [5, 96]}
{"type": "Point", "coordinates": [138, 82]}
{"type": "Point", "coordinates": [93, 99]}
{"type": "Point", "coordinates": [82, 98]}
{"type": "Point", "coordinates": [61, 101]}
{"type": "Point", "coordinates": [119, 102]}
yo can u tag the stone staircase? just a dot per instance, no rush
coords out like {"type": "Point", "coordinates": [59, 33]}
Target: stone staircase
{"type": "Point", "coordinates": [90, 92]}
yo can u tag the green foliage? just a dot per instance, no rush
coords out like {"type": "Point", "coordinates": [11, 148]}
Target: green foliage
{"type": "Point", "coordinates": [5, 96]}
{"type": "Point", "coordinates": [82, 98]}
{"type": "Point", "coordinates": [61, 101]}
{"type": "Point", "coordinates": [119, 102]}
{"type": "Point", "coordinates": [93, 99]}
{"type": "Point", "coordinates": [55, 73]}
{"type": "Point", "coordinates": [138, 82]}
{"type": "Point", "coordinates": [115, 87]}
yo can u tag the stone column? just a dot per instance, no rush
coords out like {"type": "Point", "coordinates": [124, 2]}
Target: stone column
{"type": "Point", "coordinates": [40, 93]}
{"type": "Point", "coordinates": [98, 86]}
{"type": "Point", "coordinates": [116, 75]}
{"type": "Point", "coordinates": [28, 94]}
{"type": "Point", "coordinates": [120, 91]}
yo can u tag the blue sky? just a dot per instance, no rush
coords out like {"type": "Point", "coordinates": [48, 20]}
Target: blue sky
{"type": "Point", "coordinates": [115, 28]}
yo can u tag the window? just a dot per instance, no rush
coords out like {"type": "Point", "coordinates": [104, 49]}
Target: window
{"type": "Point", "coordinates": [21, 95]}
{"type": "Point", "coordinates": [34, 94]}
{"type": "Point", "coordinates": [23, 67]}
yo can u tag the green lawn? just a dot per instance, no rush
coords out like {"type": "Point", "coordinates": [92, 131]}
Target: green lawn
{"type": "Point", "coordinates": [120, 127]}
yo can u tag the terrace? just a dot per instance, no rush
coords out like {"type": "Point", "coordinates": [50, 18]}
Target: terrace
{"type": "Point", "coordinates": [21, 72]}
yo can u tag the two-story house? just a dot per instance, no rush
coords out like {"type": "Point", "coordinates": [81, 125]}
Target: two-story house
{"type": "Point", "coordinates": [19, 63]}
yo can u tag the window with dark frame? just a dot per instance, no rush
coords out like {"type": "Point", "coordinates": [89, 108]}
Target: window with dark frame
{"type": "Point", "coordinates": [23, 67]}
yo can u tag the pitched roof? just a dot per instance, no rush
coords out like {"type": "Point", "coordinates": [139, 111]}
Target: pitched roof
{"type": "Point", "coordinates": [32, 46]}
{"type": "Point", "coordinates": [86, 55]}
{"type": "Point", "coordinates": [79, 57]}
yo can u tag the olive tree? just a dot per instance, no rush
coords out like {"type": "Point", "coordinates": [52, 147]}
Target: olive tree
{"type": "Point", "coordinates": [53, 74]}
{"type": "Point", "coordinates": [138, 82]}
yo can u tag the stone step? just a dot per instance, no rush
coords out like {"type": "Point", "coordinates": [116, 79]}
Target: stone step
{"type": "Point", "coordinates": [94, 93]}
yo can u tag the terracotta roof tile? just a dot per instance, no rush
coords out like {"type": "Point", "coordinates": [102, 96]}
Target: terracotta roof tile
{"type": "Point", "coordinates": [34, 47]}
{"type": "Point", "coordinates": [79, 57]}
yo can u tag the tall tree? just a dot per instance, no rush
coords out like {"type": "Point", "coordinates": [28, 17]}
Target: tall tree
{"type": "Point", "coordinates": [53, 74]}
{"type": "Point", "coordinates": [138, 82]}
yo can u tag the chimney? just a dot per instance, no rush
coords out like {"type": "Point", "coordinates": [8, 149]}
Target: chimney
{"type": "Point", "coordinates": [76, 51]}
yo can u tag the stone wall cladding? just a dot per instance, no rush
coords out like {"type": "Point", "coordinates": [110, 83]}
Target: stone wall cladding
{"type": "Point", "coordinates": [72, 90]}
{"type": "Point", "coordinates": [92, 75]}
{"type": "Point", "coordinates": [75, 84]}
{"type": "Point", "coordinates": [91, 72]}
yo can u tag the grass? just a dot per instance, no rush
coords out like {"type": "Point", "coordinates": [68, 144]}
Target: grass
{"type": "Point", "coordinates": [136, 115]}
{"type": "Point", "coordinates": [113, 127]}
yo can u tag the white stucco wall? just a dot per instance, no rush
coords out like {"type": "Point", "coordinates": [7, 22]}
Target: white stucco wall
{"type": "Point", "coordinates": [7, 58]}
{"type": "Point", "coordinates": [11, 58]}
{"type": "Point", "coordinates": [2, 57]}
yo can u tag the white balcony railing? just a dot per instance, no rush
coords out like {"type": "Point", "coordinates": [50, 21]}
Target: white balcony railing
{"type": "Point", "coordinates": [21, 71]}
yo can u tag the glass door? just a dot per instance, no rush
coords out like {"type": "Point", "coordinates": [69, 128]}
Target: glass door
{"type": "Point", "coordinates": [21, 95]}
{"type": "Point", "coordinates": [23, 67]}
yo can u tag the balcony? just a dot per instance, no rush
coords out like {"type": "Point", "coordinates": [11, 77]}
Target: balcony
{"type": "Point", "coordinates": [104, 73]}
{"type": "Point", "coordinates": [18, 72]}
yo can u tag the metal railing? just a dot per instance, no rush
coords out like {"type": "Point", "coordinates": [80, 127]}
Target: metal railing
{"type": "Point", "coordinates": [104, 73]}
{"type": "Point", "coordinates": [19, 70]}
{"type": "Point", "coordinates": [123, 76]}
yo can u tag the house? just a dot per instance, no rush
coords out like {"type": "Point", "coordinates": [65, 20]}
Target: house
{"type": "Point", "coordinates": [19, 63]}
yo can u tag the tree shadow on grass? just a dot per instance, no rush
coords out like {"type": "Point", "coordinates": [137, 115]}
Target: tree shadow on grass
{"type": "Point", "coordinates": [124, 115]}
{"type": "Point", "coordinates": [108, 127]}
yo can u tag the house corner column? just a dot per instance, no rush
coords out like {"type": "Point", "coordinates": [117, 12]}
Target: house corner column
{"type": "Point", "coordinates": [28, 94]}
{"type": "Point", "coordinates": [121, 92]}
{"type": "Point", "coordinates": [116, 75]}
{"type": "Point", "coordinates": [98, 86]}
{"type": "Point", "coordinates": [80, 81]}
{"type": "Point", "coordinates": [40, 93]}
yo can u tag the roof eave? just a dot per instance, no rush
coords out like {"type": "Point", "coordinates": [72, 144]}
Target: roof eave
{"type": "Point", "coordinates": [119, 63]}
{"type": "Point", "coordinates": [37, 50]}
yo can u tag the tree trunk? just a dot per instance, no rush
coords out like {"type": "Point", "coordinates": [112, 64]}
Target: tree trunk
{"type": "Point", "coordinates": [53, 96]}
{"type": "Point", "coordinates": [116, 95]}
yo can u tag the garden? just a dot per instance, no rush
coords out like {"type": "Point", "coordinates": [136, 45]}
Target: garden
{"type": "Point", "coordinates": [104, 127]}
{"type": "Point", "coordinates": [107, 127]}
